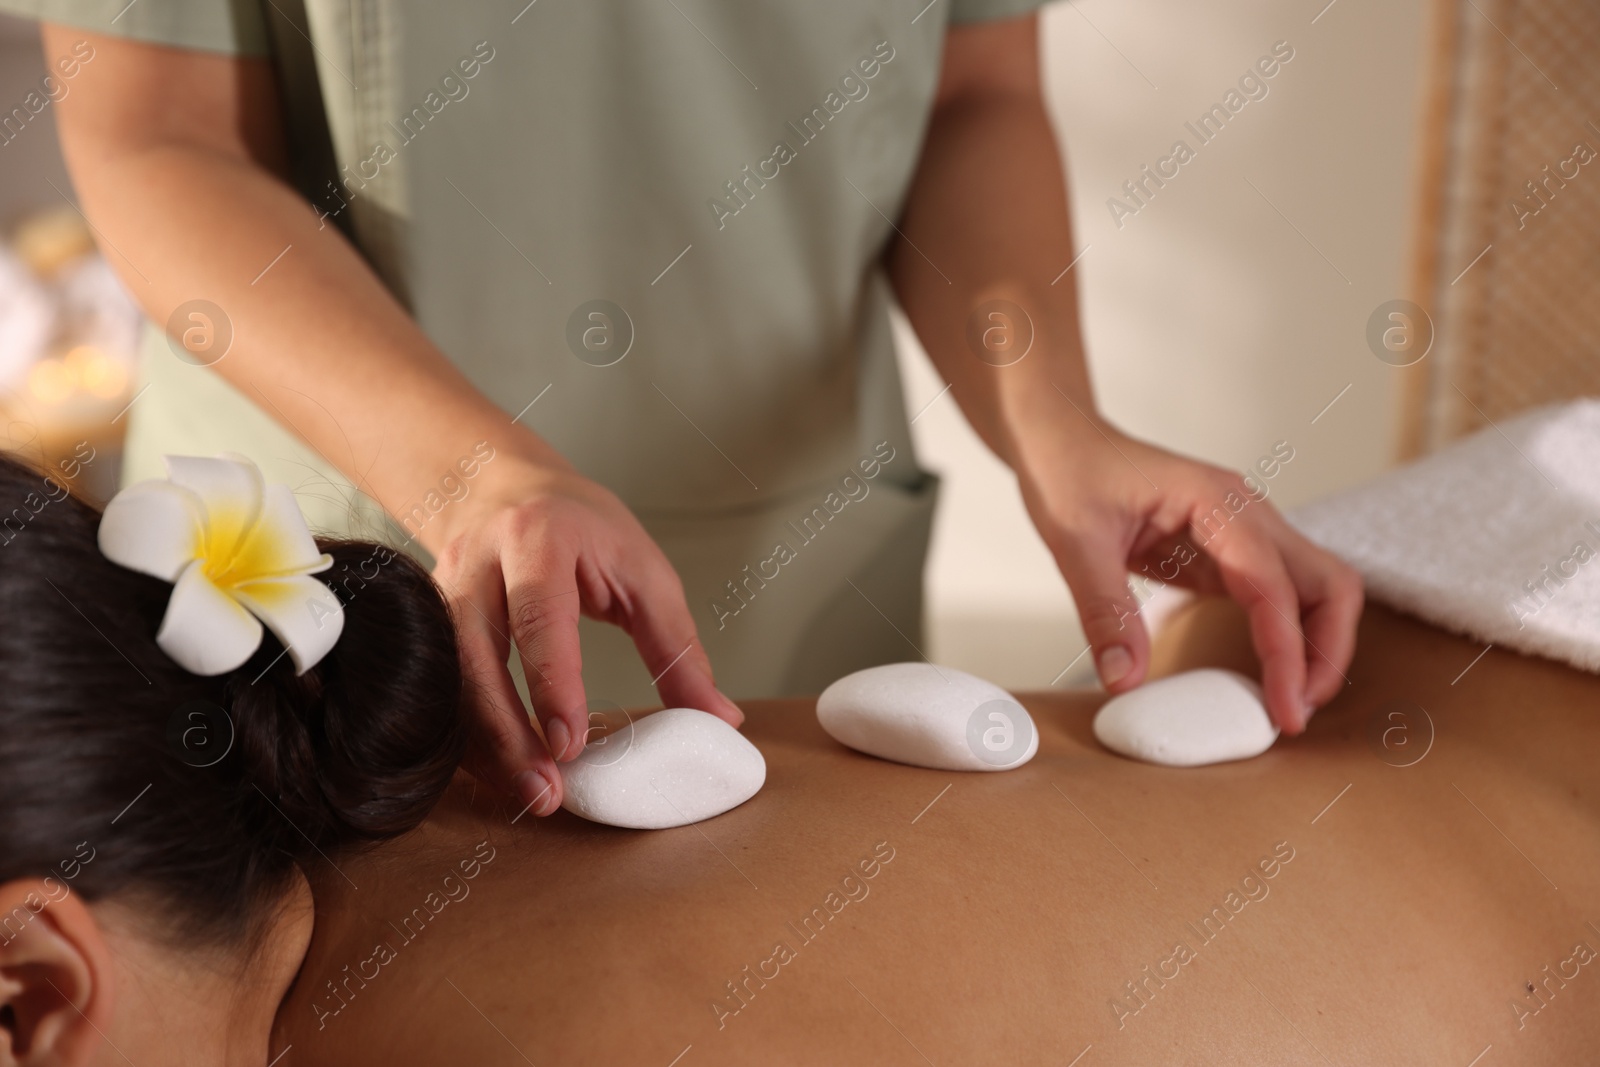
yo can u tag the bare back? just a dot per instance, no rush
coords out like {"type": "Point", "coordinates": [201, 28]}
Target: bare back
{"type": "Point", "coordinates": [1415, 880]}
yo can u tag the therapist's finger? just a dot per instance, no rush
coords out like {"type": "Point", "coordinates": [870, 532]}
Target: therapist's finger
{"type": "Point", "coordinates": [1096, 570]}
{"type": "Point", "coordinates": [504, 750]}
{"type": "Point", "coordinates": [1331, 599]}
{"type": "Point", "coordinates": [664, 633]}
{"type": "Point", "coordinates": [1254, 575]}
{"type": "Point", "coordinates": [543, 605]}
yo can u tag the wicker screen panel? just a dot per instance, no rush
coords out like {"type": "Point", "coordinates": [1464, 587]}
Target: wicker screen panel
{"type": "Point", "coordinates": [1506, 257]}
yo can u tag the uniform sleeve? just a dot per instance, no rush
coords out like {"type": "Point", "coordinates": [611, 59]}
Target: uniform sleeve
{"type": "Point", "coordinates": [983, 10]}
{"type": "Point", "coordinates": [232, 27]}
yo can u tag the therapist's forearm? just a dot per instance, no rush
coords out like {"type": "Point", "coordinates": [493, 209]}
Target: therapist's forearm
{"type": "Point", "coordinates": [177, 154]}
{"type": "Point", "coordinates": [986, 219]}
{"type": "Point", "coordinates": [318, 342]}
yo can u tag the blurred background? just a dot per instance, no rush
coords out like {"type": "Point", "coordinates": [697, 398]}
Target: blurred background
{"type": "Point", "coordinates": [68, 330]}
{"type": "Point", "coordinates": [1224, 317]}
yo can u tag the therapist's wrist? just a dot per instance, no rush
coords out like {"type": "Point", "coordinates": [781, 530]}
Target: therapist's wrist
{"type": "Point", "coordinates": [1052, 420]}
{"type": "Point", "coordinates": [489, 476]}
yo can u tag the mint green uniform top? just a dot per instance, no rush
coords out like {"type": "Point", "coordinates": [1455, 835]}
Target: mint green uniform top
{"type": "Point", "coordinates": [659, 223]}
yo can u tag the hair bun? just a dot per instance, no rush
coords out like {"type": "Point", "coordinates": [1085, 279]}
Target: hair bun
{"type": "Point", "coordinates": [223, 784]}
{"type": "Point", "coordinates": [360, 747]}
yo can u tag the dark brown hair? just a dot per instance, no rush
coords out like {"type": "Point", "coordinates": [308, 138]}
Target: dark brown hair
{"type": "Point", "coordinates": [201, 795]}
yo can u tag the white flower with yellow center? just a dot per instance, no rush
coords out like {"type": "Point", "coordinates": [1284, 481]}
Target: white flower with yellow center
{"type": "Point", "coordinates": [238, 553]}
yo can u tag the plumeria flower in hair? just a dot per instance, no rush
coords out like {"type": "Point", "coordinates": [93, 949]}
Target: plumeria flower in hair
{"type": "Point", "coordinates": [238, 553]}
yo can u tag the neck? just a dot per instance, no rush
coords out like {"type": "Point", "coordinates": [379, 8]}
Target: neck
{"type": "Point", "coordinates": [210, 1007]}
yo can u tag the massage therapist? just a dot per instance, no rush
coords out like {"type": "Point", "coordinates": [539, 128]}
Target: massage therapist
{"type": "Point", "coordinates": [588, 303]}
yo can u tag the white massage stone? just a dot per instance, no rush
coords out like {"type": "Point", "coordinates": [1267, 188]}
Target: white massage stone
{"type": "Point", "coordinates": [670, 768]}
{"type": "Point", "coordinates": [1188, 720]}
{"type": "Point", "coordinates": [928, 716]}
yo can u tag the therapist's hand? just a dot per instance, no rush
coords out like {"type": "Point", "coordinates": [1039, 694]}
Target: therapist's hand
{"type": "Point", "coordinates": [1107, 504]}
{"type": "Point", "coordinates": [986, 221]}
{"type": "Point", "coordinates": [523, 557]}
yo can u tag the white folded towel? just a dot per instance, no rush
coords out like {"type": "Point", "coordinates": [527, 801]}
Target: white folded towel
{"type": "Point", "coordinates": [1496, 537]}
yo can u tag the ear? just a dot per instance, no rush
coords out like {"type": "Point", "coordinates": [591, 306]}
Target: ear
{"type": "Point", "coordinates": [55, 976]}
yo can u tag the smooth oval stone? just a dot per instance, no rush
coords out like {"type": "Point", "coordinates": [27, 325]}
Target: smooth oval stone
{"type": "Point", "coordinates": [928, 716]}
{"type": "Point", "coordinates": [1188, 720]}
{"type": "Point", "coordinates": [669, 768]}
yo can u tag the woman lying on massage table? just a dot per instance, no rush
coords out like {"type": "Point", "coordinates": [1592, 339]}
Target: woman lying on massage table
{"type": "Point", "coordinates": [1414, 880]}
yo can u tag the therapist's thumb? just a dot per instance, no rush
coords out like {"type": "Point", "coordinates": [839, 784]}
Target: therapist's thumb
{"type": "Point", "coordinates": [1097, 574]}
